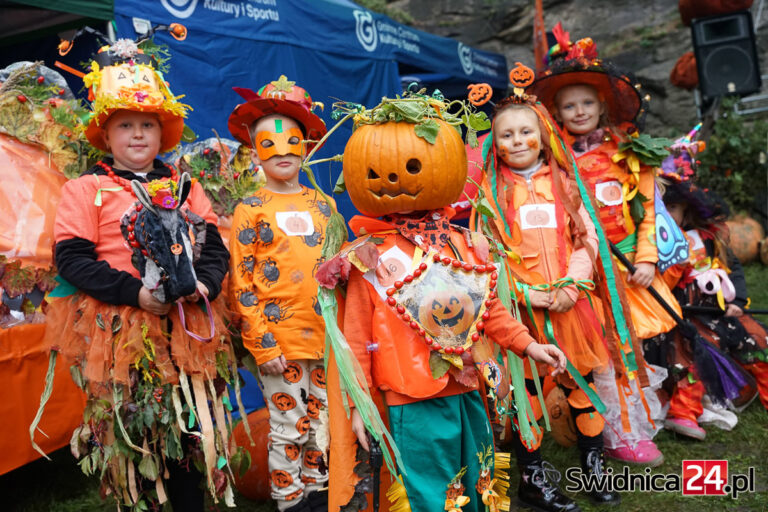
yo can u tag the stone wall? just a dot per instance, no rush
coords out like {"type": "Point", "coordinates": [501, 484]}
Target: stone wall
{"type": "Point", "coordinates": [645, 37]}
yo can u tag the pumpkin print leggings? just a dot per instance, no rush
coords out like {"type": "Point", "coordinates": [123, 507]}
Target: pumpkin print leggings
{"type": "Point", "coordinates": [294, 399]}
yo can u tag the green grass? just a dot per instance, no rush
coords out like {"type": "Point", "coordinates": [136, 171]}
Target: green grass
{"type": "Point", "coordinates": [59, 486]}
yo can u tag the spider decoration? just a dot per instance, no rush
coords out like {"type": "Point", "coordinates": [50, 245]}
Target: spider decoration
{"type": "Point", "coordinates": [274, 312]}
{"type": "Point", "coordinates": [314, 239]}
{"type": "Point", "coordinates": [247, 298]}
{"type": "Point", "coordinates": [318, 262]}
{"type": "Point", "coordinates": [269, 271]}
{"type": "Point", "coordinates": [256, 201]}
{"type": "Point", "coordinates": [246, 266]}
{"type": "Point", "coordinates": [266, 341]}
{"type": "Point", "coordinates": [316, 306]}
{"type": "Point", "coordinates": [265, 232]}
{"type": "Point", "coordinates": [322, 207]}
{"type": "Point", "coordinates": [246, 235]}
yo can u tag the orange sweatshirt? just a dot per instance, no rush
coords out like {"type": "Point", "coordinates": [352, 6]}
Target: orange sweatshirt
{"type": "Point", "coordinates": [393, 357]}
{"type": "Point", "coordinates": [275, 245]}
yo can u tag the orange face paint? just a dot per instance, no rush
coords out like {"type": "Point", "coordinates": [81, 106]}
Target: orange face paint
{"type": "Point", "coordinates": [533, 143]}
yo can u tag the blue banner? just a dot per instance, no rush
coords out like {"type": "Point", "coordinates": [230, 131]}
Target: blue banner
{"type": "Point", "coordinates": [332, 48]}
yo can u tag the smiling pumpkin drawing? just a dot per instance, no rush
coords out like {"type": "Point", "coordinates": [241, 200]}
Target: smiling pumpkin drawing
{"type": "Point", "coordinates": [447, 310]}
{"type": "Point", "coordinates": [389, 169]}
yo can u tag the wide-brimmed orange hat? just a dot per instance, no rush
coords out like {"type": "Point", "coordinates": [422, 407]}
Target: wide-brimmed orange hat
{"type": "Point", "coordinates": [578, 63]}
{"type": "Point", "coordinates": [279, 97]}
{"type": "Point", "coordinates": [122, 77]}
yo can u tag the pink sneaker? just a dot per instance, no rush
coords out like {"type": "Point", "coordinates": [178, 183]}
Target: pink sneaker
{"type": "Point", "coordinates": [645, 454]}
{"type": "Point", "coordinates": [685, 427]}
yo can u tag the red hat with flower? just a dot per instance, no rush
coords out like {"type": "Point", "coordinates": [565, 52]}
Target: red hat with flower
{"type": "Point", "coordinates": [578, 63]}
{"type": "Point", "coordinates": [281, 96]}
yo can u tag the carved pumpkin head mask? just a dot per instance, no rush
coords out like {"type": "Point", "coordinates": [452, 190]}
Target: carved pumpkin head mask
{"type": "Point", "coordinates": [389, 167]}
{"type": "Point", "coordinates": [123, 77]}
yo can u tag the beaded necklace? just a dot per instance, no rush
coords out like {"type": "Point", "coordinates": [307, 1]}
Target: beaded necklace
{"type": "Point", "coordinates": [125, 183]}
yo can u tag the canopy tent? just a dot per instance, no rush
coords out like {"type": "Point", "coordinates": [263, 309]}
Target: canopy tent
{"type": "Point", "coordinates": [24, 20]}
{"type": "Point", "coordinates": [333, 48]}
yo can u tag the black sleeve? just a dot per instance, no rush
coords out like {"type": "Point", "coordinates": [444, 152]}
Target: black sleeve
{"type": "Point", "coordinates": [738, 280]}
{"type": "Point", "coordinates": [76, 262]}
{"type": "Point", "coordinates": [213, 263]}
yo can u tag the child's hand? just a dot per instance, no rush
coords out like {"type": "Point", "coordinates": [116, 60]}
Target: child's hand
{"type": "Point", "coordinates": [548, 354]}
{"type": "Point", "coordinates": [274, 366]}
{"type": "Point", "coordinates": [148, 302]}
{"type": "Point", "coordinates": [562, 303]}
{"type": "Point", "coordinates": [733, 310]}
{"type": "Point", "coordinates": [540, 299]}
{"type": "Point", "coordinates": [644, 273]}
{"type": "Point", "coordinates": [201, 290]}
{"type": "Point", "coordinates": [358, 427]}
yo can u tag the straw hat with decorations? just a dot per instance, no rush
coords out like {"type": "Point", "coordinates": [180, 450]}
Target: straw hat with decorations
{"type": "Point", "coordinates": [123, 77]}
{"type": "Point", "coordinates": [281, 96]}
{"type": "Point", "coordinates": [571, 63]}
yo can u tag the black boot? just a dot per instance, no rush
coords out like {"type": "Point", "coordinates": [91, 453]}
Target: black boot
{"type": "Point", "coordinates": [539, 493]}
{"type": "Point", "coordinates": [593, 463]}
{"type": "Point", "coordinates": [318, 501]}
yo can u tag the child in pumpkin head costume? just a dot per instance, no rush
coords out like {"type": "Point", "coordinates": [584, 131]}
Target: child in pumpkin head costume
{"type": "Point", "coordinates": [275, 252]}
{"type": "Point", "coordinates": [419, 312]}
{"type": "Point", "coordinates": [133, 351]}
{"type": "Point", "coordinates": [596, 105]}
{"type": "Point", "coordinates": [527, 182]}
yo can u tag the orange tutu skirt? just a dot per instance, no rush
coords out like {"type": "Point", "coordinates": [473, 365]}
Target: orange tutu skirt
{"type": "Point", "coordinates": [579, 333]}
{"type": "Point", "coordinates": [107, 340]}
{"type": "Point", "coordinates": [648, 317]}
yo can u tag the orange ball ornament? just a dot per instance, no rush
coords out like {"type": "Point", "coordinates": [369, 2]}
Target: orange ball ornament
{"type": "Point", "coordinates": [389, 169]}
{"type": "Point", "coordinates": [255, 484]}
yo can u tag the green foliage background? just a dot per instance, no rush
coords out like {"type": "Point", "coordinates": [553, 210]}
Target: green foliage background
{"type": "Point", "coordinates": [734, 162]}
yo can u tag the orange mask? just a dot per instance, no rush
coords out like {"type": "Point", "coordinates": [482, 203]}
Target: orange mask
{"type": "Point", "coordinates": [281, 142]}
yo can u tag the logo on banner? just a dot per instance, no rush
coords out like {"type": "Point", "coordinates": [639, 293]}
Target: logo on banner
{"type": "Point", "coordinates": [180, 8]}
{"type": "Point", "coordinates": [465, 57]}
{"type": "Point", "coordinates": [365, 30]}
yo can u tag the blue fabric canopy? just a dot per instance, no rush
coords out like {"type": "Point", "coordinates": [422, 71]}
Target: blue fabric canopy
{"type": "Point", "coordinates": [333, 48]}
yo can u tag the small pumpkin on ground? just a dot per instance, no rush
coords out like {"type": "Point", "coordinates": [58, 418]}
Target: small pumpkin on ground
{"type": "Point", "coordinates": [745, 235]}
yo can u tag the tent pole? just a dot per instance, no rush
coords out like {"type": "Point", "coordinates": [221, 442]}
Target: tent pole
{"type": "Point", "coordinates": [110, 31]}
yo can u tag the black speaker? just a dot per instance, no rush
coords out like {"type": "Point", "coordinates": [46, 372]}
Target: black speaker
{"type": "Point", "coordinates": [726, 57]}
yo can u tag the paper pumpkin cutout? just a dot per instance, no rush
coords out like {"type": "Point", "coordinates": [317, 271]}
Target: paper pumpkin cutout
{"type": "Point", "coordinates": [295, 223]}
{"type": "Point", "coordinates": [537, 216]}
{"type": "Point", "coordinates": [609, 193]}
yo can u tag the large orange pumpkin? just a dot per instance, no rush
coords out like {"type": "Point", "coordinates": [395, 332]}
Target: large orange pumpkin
{"type": "Point", "coordinates": [389, 169]}
{"type": "Point", "coordinates": [745, 234]}
{"type": "Point", "coordinates": [254, 485]}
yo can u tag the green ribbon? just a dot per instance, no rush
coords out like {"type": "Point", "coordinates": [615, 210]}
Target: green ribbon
{"type": "Point", "coordinates": [63, 289]}
{"type": "Point", "coordinates": [98, 200]}
{"type": "Point", "coordinates": [352, 381]}
{"type": "Point", "coordinates": [622, 326]}
{"type": "Point", "coordinates": [629, 244]}
{"type": "Point", "coordinates": [549, 333]}
{"type": "Point", "coordinates": [517, 372]}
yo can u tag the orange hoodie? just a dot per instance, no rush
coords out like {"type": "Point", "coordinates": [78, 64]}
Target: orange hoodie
{"type": "Point", "coordinates": [393, 357]}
